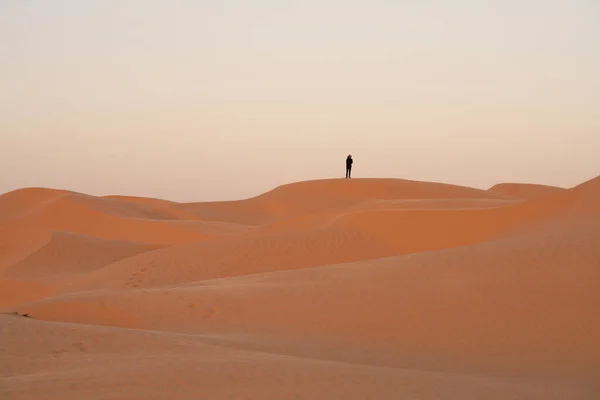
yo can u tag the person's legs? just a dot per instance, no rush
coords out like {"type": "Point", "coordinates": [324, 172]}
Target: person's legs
{"type": "Point", "coordinates": [349, 172]}
{"type": "Point", "coordinates": [346, 171]}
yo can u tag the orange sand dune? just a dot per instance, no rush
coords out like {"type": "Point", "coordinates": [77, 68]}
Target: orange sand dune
{"type": "Point", "coordinates": [523, 304]}
{"type": "Point", "coordinates": [15, 292]}
{"type": "Point", "coordinates": [319, 219]}
{"type": "Point", "coordinates": [326, 195]}
{"type": "Point", "coordinates": [353, 289]}
{"type": "Point", "coordinates": [524, 190]}
{"type": "Point", "coordinates": [585, 198]}
{"type": "Point", "coordinates": [16, 203]}
{"type": "Point", "coordinates": [112, 206]}
{"type": "Point", "coordinates": [419, 229]}
{"type": "Point", "coordinates": [169, 209]}
{"type": "Point", "coordinates": [431, 204]}
{"type": "Point", "coordinates": [84, 361]}
{"type": "Point", "coordinates": [97, 217]}
{"type": "Point", "coordinates": [68, 254]}
{"type": "Point", "coordinates": [234, 257]}
{"type": "Point", "coordinates": [349, 237]}
{"type": "Point", "coordinates": [25, 201]}
{"type": "Point", "coordinates": [17, 241]}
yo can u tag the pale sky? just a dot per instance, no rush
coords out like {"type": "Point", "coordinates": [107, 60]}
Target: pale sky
{"type": "Point", "coordinates": [194, 100]}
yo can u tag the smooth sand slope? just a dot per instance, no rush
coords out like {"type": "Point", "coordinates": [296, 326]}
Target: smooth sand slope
{"type": "Point", "coordinates": [349, 289]}
{"type": "Point", "coordinates": [525, 190]}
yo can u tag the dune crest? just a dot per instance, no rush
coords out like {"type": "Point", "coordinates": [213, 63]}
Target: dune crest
{"type": "Point", "coordinates": [525, 191]}
{"type": "Point", "coordinates": [336, 288]}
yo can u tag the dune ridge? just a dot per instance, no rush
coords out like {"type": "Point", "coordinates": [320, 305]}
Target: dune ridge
{"type": "Point", "coordinates": [525, 191]}
{"type": "Point", "coordinates": [361, 288]}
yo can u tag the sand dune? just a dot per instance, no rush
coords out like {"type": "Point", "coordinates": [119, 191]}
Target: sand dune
{"type": "Point", "coordinates": [585, 198]}
{"type": "Point", "coordinates": [484, 313]}
{"type": "Point", "coordinates": [17, 241]}
{"type": "Point", "coordinates": [328, 195]}
{"type": "Point", "coordinates": [68, 254]}
{"type": "Point", "coordinates": [362, 288]}
{"type": "Point", "coordinates": [77, 360]}
{"type": "Point", "coordinates": [524, 190]}
{"type": "Point", "coordinates": [15, 292]}
{"type": "Point", "coordinates": [15, 204]}
{"type": "Point", "coordinates": [108, 219]}
{"type": "Point", "coordinates": [234, 257]}
{"type": "Point", "coordinates": [167, 209]}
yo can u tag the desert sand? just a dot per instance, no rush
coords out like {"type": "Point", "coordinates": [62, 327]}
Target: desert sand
{"type": "Point", "coordinates": [328, 289]}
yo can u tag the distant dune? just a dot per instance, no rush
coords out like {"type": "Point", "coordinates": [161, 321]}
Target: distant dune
{"type": "Point", "coordinates": [524, 190]}
{"type": "Point", "coordinates": [339, 288]}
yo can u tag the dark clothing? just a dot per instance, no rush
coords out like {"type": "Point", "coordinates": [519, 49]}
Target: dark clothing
{"type": "Point", "coordinates": [349, 162]}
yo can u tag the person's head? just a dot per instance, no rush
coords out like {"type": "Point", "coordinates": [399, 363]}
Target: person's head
{"type": "Point", "coordinates": [349, 155]}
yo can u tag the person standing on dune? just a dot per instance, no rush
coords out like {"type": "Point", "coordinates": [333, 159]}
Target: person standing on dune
{"type": "Point", "coordinates": [349, 162]}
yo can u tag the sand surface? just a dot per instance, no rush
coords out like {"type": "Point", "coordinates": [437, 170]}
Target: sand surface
{"type": "Point", "coordinates": [330, 289]}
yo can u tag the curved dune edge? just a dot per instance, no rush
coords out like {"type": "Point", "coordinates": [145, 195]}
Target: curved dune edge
{"type": "Point", "coordinates": [525, 191]}
{"type": "Point", "coordinates": [18, 241]}
{"type": "Point", "coordinates": [67, 255]}
{"type": "Point", "coordinates": [352, 237]}
{"type": "Point", "coordinates": [70, 214]}
{"type": "Point", "coordinates": [22, 201]}
{"type": "Point", "coordinates": [234, 257]}
{"type": "Point", "coordinates": [375, 233]}
{"type": "Point", "coordinates": [327, 195]}
{"type": "Point", "coordinates": [337, 239]}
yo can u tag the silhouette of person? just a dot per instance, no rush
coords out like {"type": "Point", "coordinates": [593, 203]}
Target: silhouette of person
{"type": "Point", "coordinates": [349, 162]}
